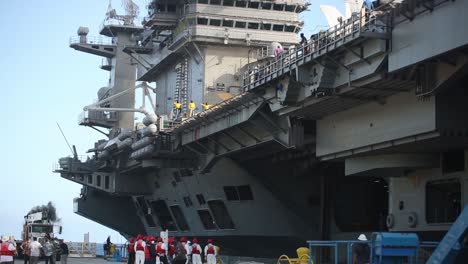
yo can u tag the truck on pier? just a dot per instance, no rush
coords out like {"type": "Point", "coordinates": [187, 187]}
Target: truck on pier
{"type": "Point", "coordinates": [40, 226]}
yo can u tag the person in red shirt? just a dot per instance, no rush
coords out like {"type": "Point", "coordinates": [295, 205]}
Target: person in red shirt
{"type": "Point", "coordinates": [131, 251]}
{"type": "Point", "coordinates": [196, 252]}
{"type": "Point", "coordinates": [161, 252]}
{"type": "Point", "coordinates": [210, 252]}
{"type": "Point", "coordinates": [139, 247]}
{"type": "Point", "coordinates": [7, 251]}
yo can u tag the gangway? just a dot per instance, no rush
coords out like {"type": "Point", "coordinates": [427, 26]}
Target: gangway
{"type": "Point", "coordinates": [452, 242]}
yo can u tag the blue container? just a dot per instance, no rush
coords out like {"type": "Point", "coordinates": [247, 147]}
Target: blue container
{"type": "Point", "coordinates": [393, 248]}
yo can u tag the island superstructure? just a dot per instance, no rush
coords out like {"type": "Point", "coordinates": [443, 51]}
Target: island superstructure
{"type": "Point", "coordinates": [359, 130]}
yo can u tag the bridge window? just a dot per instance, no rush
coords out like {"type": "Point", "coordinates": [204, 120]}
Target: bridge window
{"type": "Point", "coordinates": [266, 6]}
{"type": "Point", "coordinates": [201, 199]}
{"type": "Point", "coordinates": [254, 5]}
{"type": "Point", "coordinates": [221, 214]}
{"type": "Point", "coordinates": [202, 21]}
{"type": "Point", "coordinates": [253, 25]}
{"type": "Point", "coordinates": [228, 3]}
{"type": "Point", "coordinates": [90, 179]}
{"type": "Point", "coordinates": [215, 2]}
{"type": "Point", "coordinates": [98, 181]}
{"type": "Point", "coordinates": [228, 23]}
{"type": "Point", "coordinates": [163, 214]}
{"type": "Point", "coordinates": [206, 219]}
{"type": "Point", "coordinates": [215, 22]}
{"type": "Point", "coordinates": [289, 28]}
{"type": "Point", "coordinates": [266, 26]}
{"type": "Point", "coordinates": [290, 8]}
{"type": "Point", "coordinates": [278, 27]}
{"type": "Point", "coordinates": [180, 218]}
{"type": "Point", "coordinates": [443, 201]}
{"type": "Point", "coordinates": [160, 8]}
{"type": "Point", "coordinates": [241, 3]}
{"type": "Point", "coordinates": [278, 7]}
{"type": "Point", "coordinates": [453, 161]}
{"type": "Point", "coordinates": [240, 24]}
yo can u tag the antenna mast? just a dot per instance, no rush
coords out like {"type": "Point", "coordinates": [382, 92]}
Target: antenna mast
{"type": "Point", "coordinates": [131, 12]}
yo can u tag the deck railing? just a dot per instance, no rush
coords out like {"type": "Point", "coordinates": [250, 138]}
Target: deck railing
{"type": "Point", "coordinates": [92, 40]}
{"type": "Point", "coordinates": [323, 42]}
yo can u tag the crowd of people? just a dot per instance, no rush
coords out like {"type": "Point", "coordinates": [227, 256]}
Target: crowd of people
{"type": "Point", "coordinates": [153, 250]}
{"type": "Point", "coordinates": [51, 250]}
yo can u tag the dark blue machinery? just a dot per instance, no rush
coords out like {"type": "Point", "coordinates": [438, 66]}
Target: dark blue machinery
{"type": "Point", "coordinates": [389, 249]}
{"type": "Point", "coordinates": [394, 248]}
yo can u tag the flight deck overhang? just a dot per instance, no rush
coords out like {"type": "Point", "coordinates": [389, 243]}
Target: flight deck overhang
{"type": "Point", "coordinates": [108, 210]}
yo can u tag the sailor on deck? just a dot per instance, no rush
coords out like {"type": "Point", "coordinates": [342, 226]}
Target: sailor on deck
{"type": "Point", "coordinates": [196, 252]}
{"type": "Point", "coordinates": [210, 252]}
{"type": "Point", "coordinates": [206, 106]}
{"type": "Point", "coordinates": [188, 248]}
{"type": "Point", "coordinates": [161, 252]}
{"type": "Point", "coordinates": [131, 251]}
{"type": "Point", "coordinates": [191, 107]}
{"type": "Point", "coordinates": [140, 250]}
{"type": "Point", "coordinates": [7, 251]}
{"type": "Point", "coordinates": [178, 109]}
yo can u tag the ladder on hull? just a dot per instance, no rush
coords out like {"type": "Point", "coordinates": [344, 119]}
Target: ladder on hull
{"type": "Point", "coordinates": [181, 89]}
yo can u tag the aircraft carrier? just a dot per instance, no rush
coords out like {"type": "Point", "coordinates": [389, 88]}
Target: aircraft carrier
{"type": "Point", "coordinates": [361, 129]}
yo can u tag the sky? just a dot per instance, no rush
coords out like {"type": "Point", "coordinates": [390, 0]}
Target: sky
{"type": "Point", "coordinates": [44, 82]}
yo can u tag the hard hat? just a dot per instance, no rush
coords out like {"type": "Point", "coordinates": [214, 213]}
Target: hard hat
{"type": "Point", "coordinates": [183, 239]}
{"type": "Point", "coordinates": [195, 240]}
{"type": "Point", "coordinates": [362, 237]}
{"type": "Point", "coordinates": [160, 239]}
{"type": "Point", "coordinates": [4, 238]}
{"type": "Point", "coordinates": [210, 241]}
{"type": "Point", "coordinates": [132, 240]}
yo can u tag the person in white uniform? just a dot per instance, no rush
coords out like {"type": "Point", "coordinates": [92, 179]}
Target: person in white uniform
{"type": "Point", "coordinates": [210, 252]}
{"type": "Point", "coordinates": [196, 252]}
{"type": "Point", "coordinates": [140, 246]}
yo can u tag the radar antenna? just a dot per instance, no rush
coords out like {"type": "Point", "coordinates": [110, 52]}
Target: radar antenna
{"type": "Point", "coordinates": [131, 12]}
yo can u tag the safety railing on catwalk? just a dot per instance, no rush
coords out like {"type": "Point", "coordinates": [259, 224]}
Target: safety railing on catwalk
{"type": "Point", "coordinates": [96, 40]}
{"type": "Point", "coordinates": [320, 44]}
